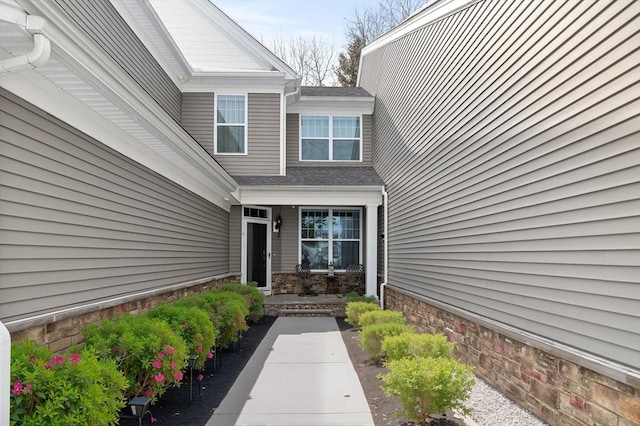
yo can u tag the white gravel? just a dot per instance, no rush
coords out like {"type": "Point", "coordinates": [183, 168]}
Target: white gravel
{"type": "Point", "coordinates": [491, 408]}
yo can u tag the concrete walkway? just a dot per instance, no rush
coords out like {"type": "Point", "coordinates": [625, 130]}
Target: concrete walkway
{"type": "Point", "coordinates": [300, 374]}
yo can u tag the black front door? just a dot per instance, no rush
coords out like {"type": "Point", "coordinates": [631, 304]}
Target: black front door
{"type": "Point", "coordinates": [257, 253]}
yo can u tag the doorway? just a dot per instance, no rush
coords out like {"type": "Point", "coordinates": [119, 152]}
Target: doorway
{"type": "Point", "coordinates": [257, 248]}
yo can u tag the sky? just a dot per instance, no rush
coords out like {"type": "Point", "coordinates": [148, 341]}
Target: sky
{"type": "Point", "coordinates": [268, 19]}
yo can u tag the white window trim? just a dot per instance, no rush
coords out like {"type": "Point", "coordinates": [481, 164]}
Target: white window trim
{"type": "Point", "coordinates": [215, 123]}
{"type": "Point", "coordinates": [330, 239]}
{"type": "Point", "coordinates": [330, 138]}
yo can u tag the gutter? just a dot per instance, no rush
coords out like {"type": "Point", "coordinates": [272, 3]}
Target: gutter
{"type": "Point", "coordinates": [40, 53]}
{"type": "Point", "coordinates": [385, 277]}
{"type": "Point", "coordinates": [5, 374]}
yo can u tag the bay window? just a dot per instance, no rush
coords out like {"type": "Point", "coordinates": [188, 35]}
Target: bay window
{"type": "Point", "coordinates": [330, 235]}
{"type": "Point", "coordinates": [330, 138]}
{"type": "Point", "coordinates": [230, 124]}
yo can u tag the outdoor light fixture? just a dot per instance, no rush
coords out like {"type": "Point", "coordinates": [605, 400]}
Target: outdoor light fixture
{"type": "Point", "coordinates": [191, 362]}
{"type": "Point", "coordinates": [139, 407]}
{"type": "Point", "coordinates": [278, 224]}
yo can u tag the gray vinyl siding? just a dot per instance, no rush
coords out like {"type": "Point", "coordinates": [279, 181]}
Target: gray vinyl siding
{"type": "Point", "coordinates": [81, 223]}
{"type": "Point", "coordinates": [507, 135]}
{"type": "Point", "coordinates": [263, 157]}
{"type": "Point", "coordinates": [102, 23]}
{"type": "Point", "coordinates": [289, 239]}
{"type": "Point", "coordinates": [293, 144]}
{"type": "Point", "coordinates": [235, 240]}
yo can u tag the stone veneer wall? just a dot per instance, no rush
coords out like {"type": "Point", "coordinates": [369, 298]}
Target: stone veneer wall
{"type": "Point", "coordinates": [558, 391]}
{"type": "Point", "coordinates": [288, 284]}
{"type": "Point", "coordinates": [65, 331]}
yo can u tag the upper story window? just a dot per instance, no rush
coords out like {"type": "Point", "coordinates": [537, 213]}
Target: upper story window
{"type": "Point", "coordinates": [231, 124]}
{"type": "Point", "coordinates": [330, 138]}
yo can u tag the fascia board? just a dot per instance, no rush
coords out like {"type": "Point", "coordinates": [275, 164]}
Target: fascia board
{"type": "Point", "coordinates": [87, 59]}
{"type": "Point", "coordinates": [255, 82]}
{"type": "Point", "coordinates": [340, 104]}
{"type": "Point", "coordinates": [307, 195]}
{"type": "Point", "coordinates": [430, 14]}
{"type": "Point", "coordinates": [148, 27]}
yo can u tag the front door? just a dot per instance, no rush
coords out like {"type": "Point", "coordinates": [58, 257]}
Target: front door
{"type": "Point", "coordinates": [257, 252]}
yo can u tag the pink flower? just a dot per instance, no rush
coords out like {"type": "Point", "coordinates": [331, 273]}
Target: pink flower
{"type": "Point", "coordinates": [58, 359]}
{"type": "Point", "coordinates": [199, 348]}
{"type": "Point", "coordinates": [172, 364]}
{"type": "Point", "coordinates": [115, 350]}
{"type": "Point", "coordinates": [200, 377]}
{"type": "Point", "coordinates": [157, 364]}
{"type": "Point", "coordinates": [170, 350]}
{"type": "Point", "coordinates": [161, 354]}
{"type": "Point", "coordinates": [185, 325]}
{"type": "Point", "coordinates": [74, 358]}
{"type": "Point", "coordinates": [233, 324]}
{"type": "Point", "coordinates": [215, 321]}
{"type": "Point", "coordinates": [153, 419]}
{"type": "Point", "coordinates": [27, 388]}
{"type": "Point", "coordinates": [239, 317]}
{"type": "Point", "coordinates": [159, 378]}
{"type": "Point", "coordinates": [33, 358]}
{"type": "Point", "coordinates": [148, 393]}
{"type": "Point", "coordinates": [209, 355]}
{"type": "Point", "coordinates": [178, 376]}
{"type": "Point", "coordinates": [17, 388]}
{"type": "Point", "coordinates": [47, 366]}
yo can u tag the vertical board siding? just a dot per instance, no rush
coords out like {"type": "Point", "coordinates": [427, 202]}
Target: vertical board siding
{"type": "Point", "coordinates": [80, 222]}
{"type": "Point", "coordinates": [102, 23]}
{"type": "Point", "coordinates": [293, 144]}
{"type": "Point", "coordinates": [263, 157]}
{"type": "Point", "coordinates": [510, 152]}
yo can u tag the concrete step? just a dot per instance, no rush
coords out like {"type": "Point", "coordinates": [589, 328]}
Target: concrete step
{"type": "Point", "coordinates": [307, 312]}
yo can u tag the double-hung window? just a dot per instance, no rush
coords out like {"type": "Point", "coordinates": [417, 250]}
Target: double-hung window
{"type": "Point", "coordinates": [330, 138]}
{"type": "Point", "coordinates": [330, 235]}
{"type": "Point", "coordinates": [231, 124]}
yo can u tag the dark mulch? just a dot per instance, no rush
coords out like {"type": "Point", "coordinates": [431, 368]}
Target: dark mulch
{"type": "Point", "coordinates": [174, 407]}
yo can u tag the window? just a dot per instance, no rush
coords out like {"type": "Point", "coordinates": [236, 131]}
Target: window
{"type": "Point", "coordinates": [330, 235]}
{"type": "Point", "coordinates": [231, 124]}
{"type": "Point", "coordinates": [329, 138]}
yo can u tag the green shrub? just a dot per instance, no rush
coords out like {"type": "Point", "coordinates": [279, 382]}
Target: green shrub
{"type": "Point", "coordinates": [63, 389]}
{"type": "Point", "coordinates": [378, 317]}
{"type": "Point", "coordinates": [427, 386]}
{"type": "Point", "coordinates": [371, 337]}
{"type": "Point", "coordinates": [147, 351]}
{"type": "Point", "coordinates": [354, 296]}
{"type": "Point", "coordinates": [252, 294]}
{"type": "Point", "coordinates": [228, 311]}
{"type": "Point", "coordinates": [193, 325]}
{"type": "Point", "coordinates": [355, 309]}
{"type": "Point", "coordinates": [412, 345]}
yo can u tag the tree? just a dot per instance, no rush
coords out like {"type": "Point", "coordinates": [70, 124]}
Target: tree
{"type": "Point", "coordinates": [364, 27]}
{"type": "Point", "coordinates": [311, 57]}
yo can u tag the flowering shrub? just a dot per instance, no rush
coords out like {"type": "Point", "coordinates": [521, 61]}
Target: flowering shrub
{"type": "Point", "coordinates": [355, 309]}
{"type": "Point", "coordinates": [413, 345]}
{"type": "Point", "coordinates": [63, 389]}
{"type": "Point", "coordinates": [147, 351]}
{"type": "Point", "coordinates": [254, 298]}
{"type": "Point", "coordinates": [378, 317]}
{"type": "Point", "coordinates": [427, 386]}
{"type": "Point", "coordinates": [371, 337]}
{"type": "Point", "coordinates": [193, 325]}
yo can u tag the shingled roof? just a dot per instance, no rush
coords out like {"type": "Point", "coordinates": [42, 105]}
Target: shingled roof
{"type": "Point", "coordinates": [334, 91]}
{"type": "Point", "coordinates": [317, 176]}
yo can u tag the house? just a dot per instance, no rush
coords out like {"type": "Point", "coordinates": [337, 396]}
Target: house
{"type": "Point", "coordinates": [152, 149]}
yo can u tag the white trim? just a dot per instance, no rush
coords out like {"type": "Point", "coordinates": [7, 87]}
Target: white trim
{"type": "Point", "coordinates": [334, 105]}
{"type": "Point", "coordinates": [308, 195]}
{"type": "Point", "coordinates": [330, 139]}
{"type": "Point", "coordinates": [371, 247]}
{"type": "Point", "coordinates": [283, 135]}
{"type": "Point", "coordinates": [5, 374]}
{"type": "Point", "coordinates": [245, 124]}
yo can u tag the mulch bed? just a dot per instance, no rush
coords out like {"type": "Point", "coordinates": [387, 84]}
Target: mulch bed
{"type": "Point", "coordinates": [174, 407]}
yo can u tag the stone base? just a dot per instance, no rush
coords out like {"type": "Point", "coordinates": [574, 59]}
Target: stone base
{"type": "Point", "coordinates": [294, 305]}
{"type": "Point", "coordinates": [558, 391]}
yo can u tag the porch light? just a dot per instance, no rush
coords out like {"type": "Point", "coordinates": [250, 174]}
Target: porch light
{"type": "Point", "coordinates": [191, 362]}
{"type": "Point", "coordinates": [278, 224]}
{"type": "Point", "coordinates": [139, 407]}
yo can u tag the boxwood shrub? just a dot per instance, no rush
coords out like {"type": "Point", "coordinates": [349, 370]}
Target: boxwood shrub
{"type": "Point", "coordinates": [355, 309]}
{"type": "Point", "coordinates": [371, 337]}
{"type": "Point", "coordinates": [379, 316]}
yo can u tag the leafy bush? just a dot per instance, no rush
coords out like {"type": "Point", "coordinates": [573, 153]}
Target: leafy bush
{"type": "Point", "coordinates": [68, 389]}
{"type": "Point", "coordinates": [227, 311]}
{"type": "Point", "coordinates": [378, 317]}
{"type": "Point", "coordinates": [354, 296]}
{"type": "Point", "coordinates": [427, 386]}
{"type": "Point", "coordinates": [371, 337]}
{"type": "Point", "coordinates": [193, 325]}
{"type": "Point", "coordinates": [147, 351]}
{"type": "Point", "coordinates": [355, 309]}
{"type": "Point", "coordinates": [412, 345]}
{"type": "Point", "coordinates": [254, 298]}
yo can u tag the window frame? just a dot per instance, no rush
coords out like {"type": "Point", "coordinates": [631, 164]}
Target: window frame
{"type": "Point", "coordinates": [331, 138]}
{"type": "Point", "coordinates": [330, 240]}
{"type": "Point", "coordinates": [216, 124]}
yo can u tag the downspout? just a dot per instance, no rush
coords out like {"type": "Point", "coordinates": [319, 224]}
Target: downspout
{"type": "Point", "coordinates": [5, 374]}
{"type": "Point", "coordinates": [38, 56]}
{"type": "Point", "coordinates": [385, 277]}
